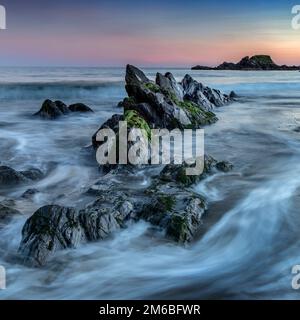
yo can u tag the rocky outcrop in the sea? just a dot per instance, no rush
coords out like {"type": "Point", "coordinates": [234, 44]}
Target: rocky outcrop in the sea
{"type": "Point", "coordinates": [257, 62]}
{"type": "Point", "coordinates": [168, 203]}
{"type": "Point", "coordinates": [55, 109]}
{"type": "Point", "coordinates": [10, 177]}
{"type": "Point", "coordinates": [168, 104]}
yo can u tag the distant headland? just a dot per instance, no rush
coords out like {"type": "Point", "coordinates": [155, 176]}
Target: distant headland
{"type": "Point", "coordinates": [257, 62]}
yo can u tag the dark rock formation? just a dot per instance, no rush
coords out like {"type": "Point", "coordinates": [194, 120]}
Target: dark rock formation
{"type": "Point", "coordinates": [168, 204]}
{"type": "Point", "coordinates": [11, 177]}
{"type": "Point", "coordinates": [49, 229]}
{"type": "Point", "coordinates": [33, 174]}
{"type": "Point", "coordinates": [257, 62]}
{"type": "Point", "coordinates": [62, 107]}
{"type": "Point", "coordinates": [53, 110]}
{"type": "Point", "coordinates": [80, 107]}
{"type": "Point", "coordinates": [166, 103]}
{"type": "Point", "coordinates": [204, 96]}
{"type": "Point", "coordinates": [53, 228]}
{"type": "Point", "coordinates": [173, 206]}
{"type": "Point", "coordinates": [107, 214]}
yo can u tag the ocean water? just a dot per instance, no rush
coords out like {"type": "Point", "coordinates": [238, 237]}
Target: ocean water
{"type": "Point", "coordinates": [249, 240]}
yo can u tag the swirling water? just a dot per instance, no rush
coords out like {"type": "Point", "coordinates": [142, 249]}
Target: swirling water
{"type": "Point", "coordinates": [249, 240]}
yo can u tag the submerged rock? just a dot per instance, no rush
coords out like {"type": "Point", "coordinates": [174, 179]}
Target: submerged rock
{"type": "Point", "coordinates": [7, 211]}
{"type": "Point", "coordinates": [33, 174]}
{"type": "Point", "coordinates": [29, 193]}
{"type": "Point", "coordinates": [10, 177]}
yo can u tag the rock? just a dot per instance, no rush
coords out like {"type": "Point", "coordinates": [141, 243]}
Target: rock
{"type": "Point", "coordinates": [177, 211]}
{"type": "Point", "coordinates": [107, 214]}
{"type": "Point", "coordinates": [7, 212]}
{"type": "Point", "coordinates": [33, 174]}
{"type": "Point", "coordinates": [29, 193]}
{"type": "Point", "coordinates": [200, 67]}
{"type": "Point", "coordinates": [174, 207]}
{"type": "Point", "coordinates": [135, 76]}
{"type": "Point", "coordinates": [53, 110]}
{"type": "Point", "coordinates": [203, 96]}
{"type": "Point", "coordinates": [62, 107]}
{"type": "Point", "coordinates": [233, 95]}
{"type": "Point", "coordinates": [224, 166]}
{"type": "Point", "coordinates": [167, 83]}
{"type": "Point", "coordinates": [80, 107]}
{"type": "Point", "coordinates": [111, 123]}
{"type": "Point", "coordinates": [49, 229]}
{"type": "Point", "coordinates": [52, 228]}
{"type": "Point", "coordinates": [50, 110]}
{"type": "Point", "coordinates": [177, 173]}
{"type": "Point", "coordinates": [257, 62]}
{"type": "Point", "coordinates": [10, 177]}
{"type": "Point", "coordinates": [165, 104]}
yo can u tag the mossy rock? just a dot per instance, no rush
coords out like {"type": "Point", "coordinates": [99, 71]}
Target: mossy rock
{"type": "Point", "coordinates": [197, 114]}
{"type": "Point", "coordinates": [152, 87]}
{"type": "Point", "coordinates": [135, 120]}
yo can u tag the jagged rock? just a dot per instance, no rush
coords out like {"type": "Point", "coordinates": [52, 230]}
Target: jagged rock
{"type": "Point", "coordinates": [135, 76]}
{"type": "Point", "coordinates": [80, 107]}
{"type": "Point", "coordinates": [142, 90]}
{"type": "Point", "coordinates": [107, 214]}
{"type": "Point", "coordinates": [203, 96]}
{"type": "Point", "coordinates": [49, 229]}
{"type": "Point", "coordinates": [165, 104]}
{"type": "Point", "coordinates": [167, 83]}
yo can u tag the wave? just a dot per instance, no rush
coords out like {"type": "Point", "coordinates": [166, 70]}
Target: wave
{"type": "Point", "coordinates": [58, 90]}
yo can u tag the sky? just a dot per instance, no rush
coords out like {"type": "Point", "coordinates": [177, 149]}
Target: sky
{"type": "Point", "coordinates": [148, 33]}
